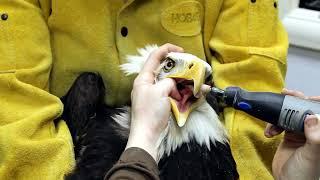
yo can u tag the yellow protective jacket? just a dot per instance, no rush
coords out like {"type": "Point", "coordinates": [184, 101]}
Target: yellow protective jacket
{"type": "Point", "coordinates": [46, 44]}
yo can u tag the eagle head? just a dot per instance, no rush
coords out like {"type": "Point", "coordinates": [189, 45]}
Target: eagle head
{"type": "Point", "coordinates": [190, 73]}
{"type": "Point", "coordinates": [192, 117]}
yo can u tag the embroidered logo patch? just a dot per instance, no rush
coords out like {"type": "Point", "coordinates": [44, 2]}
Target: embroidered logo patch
{"type": "Point", "coordinates": [183, 19]}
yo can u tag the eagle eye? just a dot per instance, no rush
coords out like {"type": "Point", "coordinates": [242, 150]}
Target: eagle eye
{"type": "Point", "coordinates": [168, 64]}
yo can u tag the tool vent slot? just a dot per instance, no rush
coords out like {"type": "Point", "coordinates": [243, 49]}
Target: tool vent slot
{"type": "Point", "coordinates": [289, 115]}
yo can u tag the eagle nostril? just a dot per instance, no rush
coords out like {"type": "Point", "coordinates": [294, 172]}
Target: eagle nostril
{"type": "Point", "coordinates": [190, 66]}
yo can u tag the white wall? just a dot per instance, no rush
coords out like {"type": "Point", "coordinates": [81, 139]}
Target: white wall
{"type": "Point", "coordinates": [303, 64]}
{"type": "Point", "coordinates": [303, 70]}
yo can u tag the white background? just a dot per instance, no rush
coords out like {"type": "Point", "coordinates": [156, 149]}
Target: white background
{"type": "Point", "coordinates": [303, 62]}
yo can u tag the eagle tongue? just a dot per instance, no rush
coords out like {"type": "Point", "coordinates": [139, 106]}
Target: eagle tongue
{"type": "Point", "coordinates": [186, 93]}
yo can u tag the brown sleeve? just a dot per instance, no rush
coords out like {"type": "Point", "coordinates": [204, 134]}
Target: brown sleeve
{"type": "Point", "coordinates": [134, 164]}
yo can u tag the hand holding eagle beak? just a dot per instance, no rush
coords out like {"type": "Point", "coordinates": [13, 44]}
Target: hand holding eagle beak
{"type": "Point", "coordinates": [150, 103]}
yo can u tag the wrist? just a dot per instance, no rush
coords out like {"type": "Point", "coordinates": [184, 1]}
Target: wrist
{"type": "Point", "coordinates": [145, 140]}
{"type": "Point", "coordinates": [303, 164]}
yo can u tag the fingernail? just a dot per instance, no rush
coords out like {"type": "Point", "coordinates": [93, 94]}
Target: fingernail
{"type": "Point", "coordinates": [311, 121]}
{"type": "Point", "coordinates": [273, 130]}
{"type": "Point", "coordinates": [267, 133]}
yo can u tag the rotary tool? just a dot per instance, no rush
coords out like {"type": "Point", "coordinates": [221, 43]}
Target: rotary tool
{"type": "Point", "coordinates": [285, 111]}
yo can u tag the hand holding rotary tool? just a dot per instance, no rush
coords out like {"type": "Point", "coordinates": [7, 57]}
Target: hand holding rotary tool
{"type": "Point", "coordinates": [297, 156]}
{"type": "Point", "coordinates": [285, 111]}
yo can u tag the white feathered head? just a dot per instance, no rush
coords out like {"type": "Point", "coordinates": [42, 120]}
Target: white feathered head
{"type": "Point", "coordinates": [193, 115]}
{"type": "Point", "coordinates": [187, 70]}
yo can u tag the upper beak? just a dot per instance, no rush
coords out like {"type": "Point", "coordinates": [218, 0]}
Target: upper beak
{"type": "Point", "coordinates": [194, 70]}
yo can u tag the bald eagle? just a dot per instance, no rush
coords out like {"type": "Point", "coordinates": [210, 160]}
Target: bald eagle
{"type": "Point", "coordinates": [193, 146]}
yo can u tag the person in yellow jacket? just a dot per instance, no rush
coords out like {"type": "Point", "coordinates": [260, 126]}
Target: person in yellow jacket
{"type": "Point", "coordinates": [45, 45]}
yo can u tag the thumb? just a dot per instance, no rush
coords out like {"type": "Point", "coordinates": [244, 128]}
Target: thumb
{"type": "Point", "coordinates": [312, 132]}
{"type": "Point", "coordinates": [169, 88]}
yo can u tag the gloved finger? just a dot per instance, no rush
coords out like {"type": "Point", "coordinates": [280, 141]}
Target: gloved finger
{"type": "Point", "coordinates": [293, 93]}
{"type": "Point", "coordinates": [204, 90]}
{"type": "Point", "coordinates": [272, 130]}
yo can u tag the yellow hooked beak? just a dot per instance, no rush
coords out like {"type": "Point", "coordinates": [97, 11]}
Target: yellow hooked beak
{"type": "Point", "coordinates": [193, 70]}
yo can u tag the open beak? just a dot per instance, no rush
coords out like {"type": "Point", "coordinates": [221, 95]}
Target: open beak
{"type": "Point", "coordinates": [192, 71]}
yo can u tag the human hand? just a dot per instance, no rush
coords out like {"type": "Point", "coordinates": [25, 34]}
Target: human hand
{"type": "Point", "coordinates": [150, 103]}
{"type": "Point", "coordinates": [297, 156]}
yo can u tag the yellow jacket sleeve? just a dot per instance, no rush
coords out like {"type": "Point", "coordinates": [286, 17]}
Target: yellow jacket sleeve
{"type": "Point", "coordinates": [248, 48]}
{"type": "Point", "coordinates": [32, 144]}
